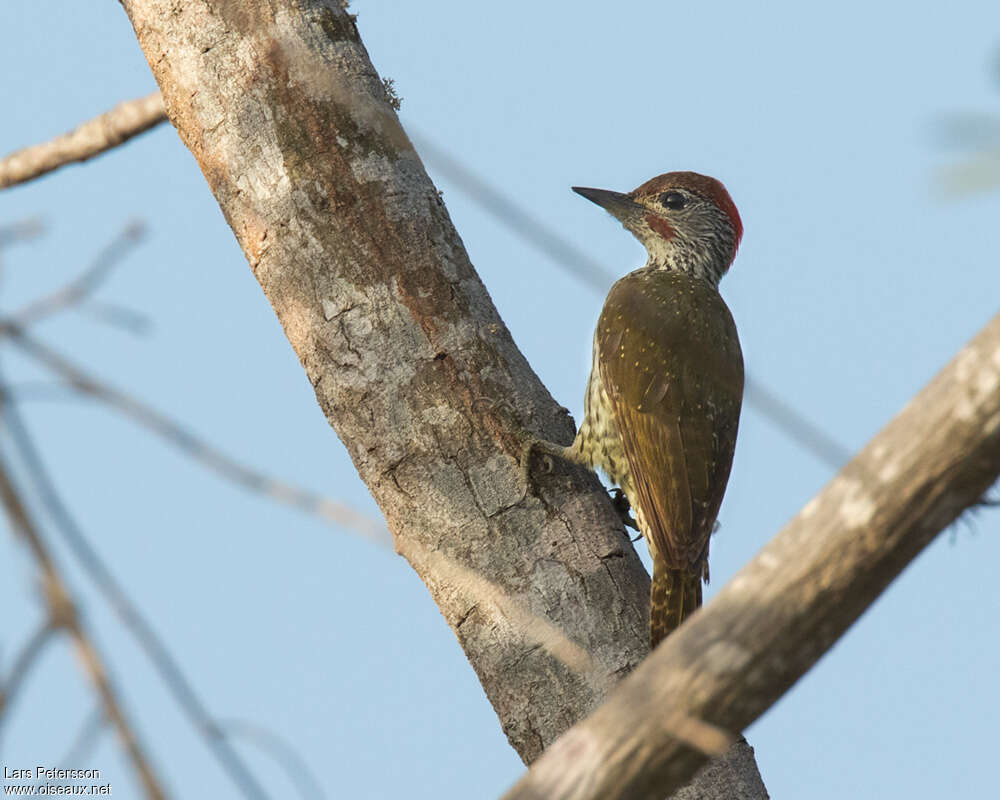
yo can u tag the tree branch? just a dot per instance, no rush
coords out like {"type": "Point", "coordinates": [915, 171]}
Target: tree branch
{"type": "Point", "coordinates": [191, 445]}
{"type": "Point", "coordinates": [83, 285]}
{"type": "Point", "coordinates": [21, 665]}
{"type": "Point", "coordinates": [63, 614]}
{"type": "Point", "coordinates": [90, 139]}
{"type": "Point", "coordinates": [128, 613]}
{"type": "Point", "coordinates": [21, 231]}
{"type": "Point", "coordinates": [735, 657]}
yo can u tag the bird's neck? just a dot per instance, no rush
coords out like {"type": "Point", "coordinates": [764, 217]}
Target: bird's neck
{"type": "Point", "coordinates": [705, 264]}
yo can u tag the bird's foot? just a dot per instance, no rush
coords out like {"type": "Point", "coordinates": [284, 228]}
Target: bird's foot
{"type": "Point", "coordinates": [533, 449]}
{"type": "Point", "coordinates": [624, 508]}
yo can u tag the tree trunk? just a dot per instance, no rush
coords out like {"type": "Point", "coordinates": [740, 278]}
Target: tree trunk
{"type": "Point", "coordinates": [408, 357]}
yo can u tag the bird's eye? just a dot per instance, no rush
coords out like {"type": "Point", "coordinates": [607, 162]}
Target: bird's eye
{"type": "Point", "coordinates": [674, 200]}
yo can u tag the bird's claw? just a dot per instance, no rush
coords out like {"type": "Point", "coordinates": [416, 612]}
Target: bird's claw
{"type": "Point", "coordinates": [624, 509]}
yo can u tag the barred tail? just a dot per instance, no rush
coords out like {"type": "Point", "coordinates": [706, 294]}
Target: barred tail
{"type": "Point", "coordinates": [674, 596]}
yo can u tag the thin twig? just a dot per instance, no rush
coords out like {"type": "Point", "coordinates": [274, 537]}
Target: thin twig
{"type": "Point", "coordinates": [35, 390]}
{"type": "Point", "coordinates": [129, 614]}
{"type": "Point", "coordinates": [93, 137]}
{"type": "Point", "coordinates": [84, 284]}
{"type": "Point", "coordinates": [797, 427]}
{"type": "Point", "coordinates": [281, 751]}
{"type": "Point", "coordinates": [25, 659]}
{"type": "Point", "coordinates": [63, 613]}
{"type": "Point", "coordinates": [22, 231]}
{"type": "Point", "coordinates": [191, 445]}
{"type": "Point", "coordinates": [86, 738]}
{"type": "Point", "coordinates": [16, 232]}
{"type": "Point", "coordinates": [126, 319]}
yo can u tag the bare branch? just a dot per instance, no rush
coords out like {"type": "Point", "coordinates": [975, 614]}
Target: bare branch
{"type": "Point", "coordinates": [90, 139]}
{"type": "Point", "coordinates": [129, 320]}
{"type": "Point", "coordinates": [22, 663]}
{"type": "Point", "coordinates": [194, 447]}
{"type": "Point", "coordinates": [156, 650]}
{"type": "Point", "coordinates": [22, 231]}
{"type": "Point", "coordinates": [63, 614]}
{"type": "Point", "coordinates": [297, 770]}
{"type": "Point", "coordinates": [513, 216]}
{"type": "Point", "coordinates": [769, 625]}
{"type": "Point", "coordinates": [80, 288]}
{"type": "Point", "coordinates": [794, 425]}
{"type": "Point", "coordinates": [87, 736]}
{"type": "Point", "coordinates": [28, 391]}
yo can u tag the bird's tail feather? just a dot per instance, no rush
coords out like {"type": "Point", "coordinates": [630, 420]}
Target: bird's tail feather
{"type": "Point", "coordinates": [674, 596]}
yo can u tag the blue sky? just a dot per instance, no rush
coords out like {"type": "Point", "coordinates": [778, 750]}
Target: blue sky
{"type": "Point", "coordinates": [857, 280]}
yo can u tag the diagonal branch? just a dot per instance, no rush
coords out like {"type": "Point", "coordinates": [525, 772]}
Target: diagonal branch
{"type": "Point", "coordinates": [21, 665]}
{"type": "Point", "coordinates": [281, 752]}
{"type": "Point", "coordinates": [22, 231]}
{"type": "Point", "coordinates": [148, 640]}
{"type": "Point", "coordinates": [178, 436]}
{"type": "Point", "coordinates": [87, 736]}
{"type": "Point", "coordinates": [80, 288]}
{"type": "Point", "coordinates": [90, 139]}
{"type": "Point", "coordinates": [63, 614]}
{"type": "Point", "coordinates": [774, 620]}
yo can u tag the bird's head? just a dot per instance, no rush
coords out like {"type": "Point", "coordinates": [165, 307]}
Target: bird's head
{"type": "Point", "coordinates": [686, 222]}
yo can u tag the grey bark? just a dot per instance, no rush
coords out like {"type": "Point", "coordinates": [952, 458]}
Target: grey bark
{"type": "Point", "coordinates": [737, 655]}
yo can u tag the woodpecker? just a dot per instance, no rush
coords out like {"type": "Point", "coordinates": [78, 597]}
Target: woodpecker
{"type": "Point", "coordinates": [663, 399]}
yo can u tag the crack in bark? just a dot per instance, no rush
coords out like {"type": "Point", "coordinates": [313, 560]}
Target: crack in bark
{"type": "Point", "coordinates": [461, 620]}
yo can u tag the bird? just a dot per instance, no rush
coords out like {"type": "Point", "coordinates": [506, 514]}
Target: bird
{"type": "Point", "coordinates": [662, 403]}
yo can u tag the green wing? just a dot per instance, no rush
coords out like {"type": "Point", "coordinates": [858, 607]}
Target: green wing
{"type": "Point", "coordinates": [672, 369]}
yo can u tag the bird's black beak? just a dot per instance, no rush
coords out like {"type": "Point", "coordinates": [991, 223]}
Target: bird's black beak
{"type": "Point", "coordinates": [620, 206]}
